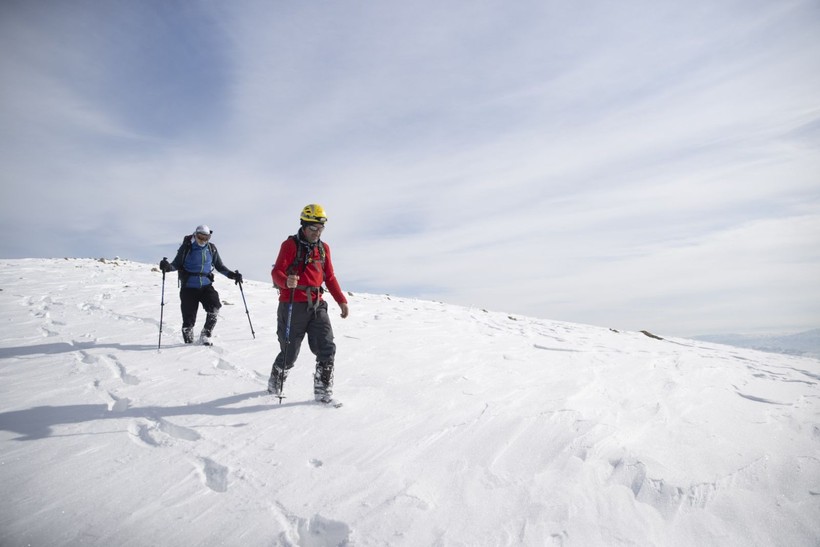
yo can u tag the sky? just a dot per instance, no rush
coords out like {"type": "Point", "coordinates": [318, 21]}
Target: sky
{"type": "Point", "coordinates": [634, 165]}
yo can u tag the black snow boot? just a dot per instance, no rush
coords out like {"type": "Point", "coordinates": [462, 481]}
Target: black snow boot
{"type": "Point", "coordinates": [210, 322]}
{"type": "Point", "coordinates": [277, 381]}
{"type": "Point", "coordinates": [207, 329]}
{"type": "Point", "coordinates": [323, 381]}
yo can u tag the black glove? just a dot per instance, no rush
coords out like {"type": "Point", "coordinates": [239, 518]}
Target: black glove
{"type": "Point", "coordinates": [237, 277]}
{"type": "Point", "coordinates": [164, 265]}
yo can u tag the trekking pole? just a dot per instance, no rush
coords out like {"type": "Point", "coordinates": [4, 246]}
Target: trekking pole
{"type": "Point", "coordinates": [287, 346]}
{"type": "Point", "coordinates": [161, 308]}
{"type": "Point", "coordinates": [246, 310]}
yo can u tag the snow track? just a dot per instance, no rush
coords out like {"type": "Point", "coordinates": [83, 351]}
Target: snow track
{"type": "Point", "coordinates": [460, 427]}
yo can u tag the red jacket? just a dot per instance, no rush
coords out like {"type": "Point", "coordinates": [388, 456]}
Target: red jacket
{"type": "Point", "coordinates": [310, 275]}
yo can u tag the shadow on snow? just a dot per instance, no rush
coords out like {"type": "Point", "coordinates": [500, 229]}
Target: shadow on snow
{"type": "Point", "coordinates": [65, 347]}
{"type": "Point", "coordinates": [37, 422]}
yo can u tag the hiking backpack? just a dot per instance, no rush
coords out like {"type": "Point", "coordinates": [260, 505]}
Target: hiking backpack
{"type": "Point", "coordinates": [187, 245]}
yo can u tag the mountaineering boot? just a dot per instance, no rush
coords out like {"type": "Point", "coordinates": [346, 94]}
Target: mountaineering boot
{"type": "Point", "coordinates": [188, 335]}
{"type": "Point", "coordinates": [277, 381]}
{"type": "Point", "coordinates": [328, 400]}
{"type": "Point", "coordinates": [323, 381]}
{"type": "Point", "coordinates": [207, 329]}
{"type": "Point", "coordinates": [210, 322]}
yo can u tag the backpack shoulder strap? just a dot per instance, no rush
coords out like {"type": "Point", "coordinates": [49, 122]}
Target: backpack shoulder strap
{"type": "Point", "coordinates": [294, 266]}
{"type": "Point", "coordinates": [182, 275]}
{"type": "Point", "coordinates": [300, 255]}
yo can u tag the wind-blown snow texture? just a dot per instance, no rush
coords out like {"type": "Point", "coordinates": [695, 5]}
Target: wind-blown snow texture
{"type": "Point", "coordinates": [460, 427]}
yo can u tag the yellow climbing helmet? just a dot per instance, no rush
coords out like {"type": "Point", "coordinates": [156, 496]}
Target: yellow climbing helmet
{"type": "Point", "coordinates": [314, 213]}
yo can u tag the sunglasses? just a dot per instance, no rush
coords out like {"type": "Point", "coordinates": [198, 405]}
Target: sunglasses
{"type": "Point", "coordinates": [200, 235]}
{"type": "Point", "coordinates": [315, 228]}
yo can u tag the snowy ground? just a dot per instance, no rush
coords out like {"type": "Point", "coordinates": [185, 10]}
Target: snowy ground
{"type": "Point", "coordinates": [460, 427]}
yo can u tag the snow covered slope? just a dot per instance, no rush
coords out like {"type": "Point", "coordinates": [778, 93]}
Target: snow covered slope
{"type": "Point", "coordinates": [460, 427]}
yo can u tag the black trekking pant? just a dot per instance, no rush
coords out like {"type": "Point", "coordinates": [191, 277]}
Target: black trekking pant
{"type": "Point", "coordinates": [315, 323]}
{"type": "Point", "coordinates": [190, 299]}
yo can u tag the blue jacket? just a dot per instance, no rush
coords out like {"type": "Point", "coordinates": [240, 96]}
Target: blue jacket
{"type": "Point", "coordinates": [196, 264]}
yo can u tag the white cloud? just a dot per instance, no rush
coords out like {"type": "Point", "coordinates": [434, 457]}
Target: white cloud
{"type": "Point", "coordinates": [528, 158]}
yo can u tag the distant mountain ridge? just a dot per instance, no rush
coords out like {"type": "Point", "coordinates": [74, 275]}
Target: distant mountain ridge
{"type": "Point", "coordinates": [805, 344]}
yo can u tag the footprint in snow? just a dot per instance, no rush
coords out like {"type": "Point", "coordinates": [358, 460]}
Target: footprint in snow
{"type": "Point", "coordinates": [214, 475]}
{"type": "Point", "coordinates": [142, 434]}
{"type": "Point", "coordinates": [120, 371]}
{"type": "Point", "coordinates": [224, 365]}
{"type": "Point", "coordinates": [87, 358]}
{"type": "Point", "coordinates": [319, 531]}
{"type": "Point", "coordinates": [118, 404]}
{"type": "Point", "coordinates": [155, 432]}
{"type": "Point", "coordinates": [177, 431]}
